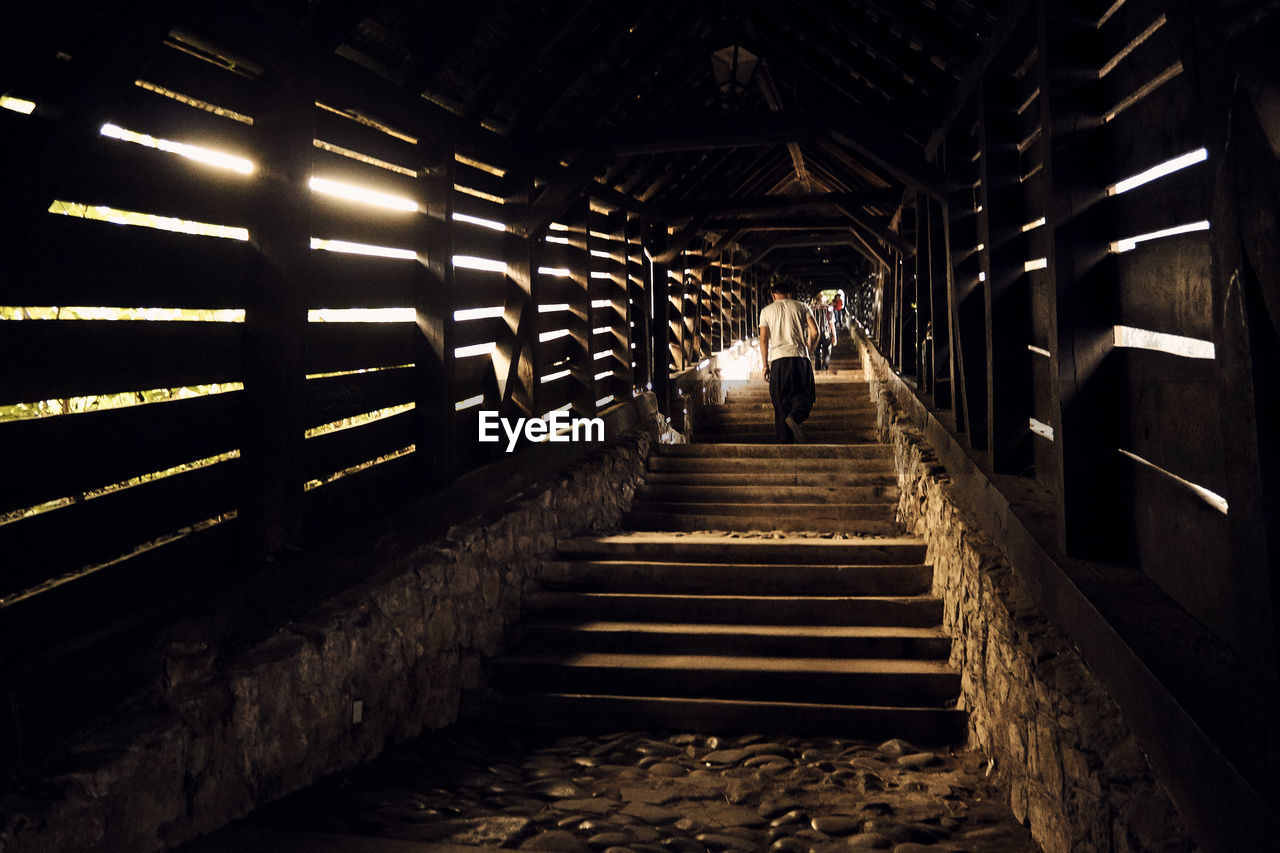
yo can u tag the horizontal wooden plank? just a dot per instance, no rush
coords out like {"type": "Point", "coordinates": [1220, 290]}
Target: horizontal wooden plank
{"type": "Point", "coordinates": [560, 290]}
{"type": "Point", "coordinates": [476, 179]}
{"type": "Point", "coordinates": [480, 288]}
{"type": "Point", "coordinates": [144, 180]}
{"type": "Point", "coordinates": [482, 208]}
{"type": "Point", "coordinates": [362, 496]}
{"type": "Point", "coordinates": [48, 359]}
{"type": "Point", "coordinates": [336, 397]}
{"type": "Point", "coordinates": [479, 242]}
{"type": "Point", "coordinates": [337, 451]}
{"type": "Point", "coordinates": [109, 526]}
{"type": "Point", "coordinates": [550, 352]}
{"type": "Point", "coordinates": [1173, 415]}
{"type": "Point", "coordinates": [194, 77]}
{"type": "Point", "coordinates": [144, 111]}
{"type": "Point", "coordinates": [332, 347]}
{"type": "Point", "coordinates": [358, 173]}
{"type": "Point", "coordinates": [343, 280]}
{"type": "Point", "coordinates": [337, 219]}
{"type": "Point", "coordinates": [66, 261]}
{"type": "Point", "coordinates": [57, 457]}
{"type": "Point", "coordinates": [1180, 545]}
{"type": "Point", "coordinates": [1174, 200]}
{"type": "Point", "coordinates": [1165, 285]}
{"type": "Point", "coordinates": [471, 332]}
{"type": "Point", "coordinates": [348, 133]}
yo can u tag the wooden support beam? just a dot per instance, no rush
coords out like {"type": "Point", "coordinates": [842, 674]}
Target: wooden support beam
{"type": "Point", "coordinates": [744, 205]}
{"type": "Point", "coordinates": [976, 72]}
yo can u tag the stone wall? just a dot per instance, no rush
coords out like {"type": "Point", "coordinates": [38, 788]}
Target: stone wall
{"type": "Point", "coordinates": [1059, 744]}
{"type": "Point", "coordinates": [380, 663]}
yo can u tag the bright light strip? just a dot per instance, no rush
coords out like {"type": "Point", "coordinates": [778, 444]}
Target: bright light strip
{"type": "Point", "coordinates": [604, 400]}
{"type": "Point", "coordinates": [982, 276]}
{"type": "Point", "coordinates": [601, 355]}
{"type": "Point", "coordinates": [345, 247]}
{"type": "Point", "coordinates": [104, 312]}
{"type": "Point", "coordinates": [604, 375]}
{"type": "Point", "coordinates": [553, 307]}
{"type": "Point", "coordinates": [17, 105]}
{"type": "Point", "coordinates": [601, 303]}
{"type": "Point", "coordinates": [553, 336]}
{"type": "Point", "coordinates": [496, 199]}
{"type": "Point", "coordinates": [1039, 351]}
{"type": "Point", "coordinates": [362, 315]}
{"type": "Point", "coordinates": [601, 275]}
{"type": "Point", "coordinates": [464, 314]}
{"type": "Point", "coordinates": [492, 224]}
{"type": "Point", "coordinates": [558, 272]}
{"type": "Point", "coordinates": [479, 164]}
{"type": "Point", "coordinates": [1041, 429]}
{"type": "Point", "coordinates": [363, 158]}
{"type": "Point", "coordinates": [1031, 226]}
{"type": "Point", "coordinates": [558, 226]}
{"type": "Point", "coordinates": [563, 241]}
{"type": "Point", "coordinates": [468, 403]}
{"type": "Point", "coordinates": [102, 213]}
{"type": "Point", "coordinates": [207, 156]}
{"type": "Point", "coordinates": [1214, 499]}
{"type": "Point", "coordinates": [552, 377]}
{"type": "Point", "coordinates": [475, 350]}
{"type": "Point", "coordinates": [471, 262]}
{"type": "Point", "coordinates": [1130, 243]}
{"type": "Point", "coordinates": [1157, 172]}
{"type": "Point", "coordinates": [601, 329]}
{"type": "Point", "coordinates": [358, 420]}
{"type": "Point", "coordinates": [361, 195]}
{"type": "Point", "coordinates": [597, 253]}
{"type": "Point", "coordinates": [1037, 264]}
{"type": "Point", "coordinates": [1129, 337]}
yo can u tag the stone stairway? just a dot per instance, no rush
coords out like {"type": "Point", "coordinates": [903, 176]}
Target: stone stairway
{"type": "Point", "coordinates": [702, 616]}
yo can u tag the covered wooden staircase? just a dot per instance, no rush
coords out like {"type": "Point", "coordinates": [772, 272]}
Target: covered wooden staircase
{"type": "Point", "coordinates": [756, 586]}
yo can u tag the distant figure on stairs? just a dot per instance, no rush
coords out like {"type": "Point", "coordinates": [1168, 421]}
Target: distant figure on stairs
{"type": "Point", "coordinates": [826, 333]}
{"type": "Point", "coordinates": [788, 334]}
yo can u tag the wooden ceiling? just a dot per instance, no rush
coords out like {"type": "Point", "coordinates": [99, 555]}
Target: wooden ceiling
{"type": "Point", "coordinates": [803, 170]}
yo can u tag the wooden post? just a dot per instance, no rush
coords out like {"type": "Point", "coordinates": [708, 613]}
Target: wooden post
{"type": "Point", "coordinates": [276, 317]}
{"type": "Point", "coordinates": [660, 312]}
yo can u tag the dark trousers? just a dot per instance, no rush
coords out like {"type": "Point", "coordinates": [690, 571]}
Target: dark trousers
{"type": "Point", "coordinates": [791, 388]}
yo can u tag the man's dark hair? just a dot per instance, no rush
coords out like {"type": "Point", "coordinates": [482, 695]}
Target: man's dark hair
{"type": "Point", "coordinates": [780, 287]}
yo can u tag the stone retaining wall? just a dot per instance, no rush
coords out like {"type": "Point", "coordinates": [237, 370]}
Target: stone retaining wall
{"type": "Point", "coordinates": [381, 663]}
{"type": "Point", "coordinates": [1059, 744]}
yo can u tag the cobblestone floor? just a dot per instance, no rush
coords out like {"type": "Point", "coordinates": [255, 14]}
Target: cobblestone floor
{"type": "Point", "coordinates": [465, 788]}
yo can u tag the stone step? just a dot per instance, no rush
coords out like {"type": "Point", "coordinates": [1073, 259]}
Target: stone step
{"type": "Point", "coordinates": [768, 513]}
{"type": "Point", "coordinates": [765, 405]}
{"type": "Point", "coordinates": [868, 610]}
{"type": "Point", "coordinates": [766, 477]}
{"type": "Point", "coordinates": [751, 492]}
{"type": "Point", "coordinates": [710, 548]}
{"type": "Point", "coordinates": [804, 641]}
{"type": "Point", "coordinates": [874, 681]}
{"type": "Point", "coordinates": [762, 437]}
{"type": "Point", "coordinates": [582, 712]}
{"type": "Point", "coordinates": [641, 520]}
{"type": "Point", "coordinates": [770, 464]}
{"type": "Point", "coordinates": [640, 576]}
{"type": "Point", "coordinates": [827, 453]}
{"type": "Point", "coordinates": [835, 432]}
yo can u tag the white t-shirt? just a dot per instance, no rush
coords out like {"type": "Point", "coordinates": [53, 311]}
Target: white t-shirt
{"type": "Point", "coordinates": [788, 328]}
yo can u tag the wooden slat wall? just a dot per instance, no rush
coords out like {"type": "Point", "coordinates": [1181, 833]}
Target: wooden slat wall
{"type": "Point", "coordinates": [56, 261]}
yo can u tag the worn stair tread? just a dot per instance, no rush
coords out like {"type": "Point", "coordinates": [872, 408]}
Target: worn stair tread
{"type": "Point", "coordinates": [638, 520]}
{"type": "Point", "coordinates": [923, 724]}
{"type": "Point", "coordinates": [817, 631]}
{"type": "Point", "coordinates": [756, 494]}
{"type": "Point", "coordinates": [818, 509]}
{"type": "Point", "coordinates": [716, 548]}
{"type": "Point", "coordinates": [623, 662]}
{"type": "Point", "coordinates": [825, 452]}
